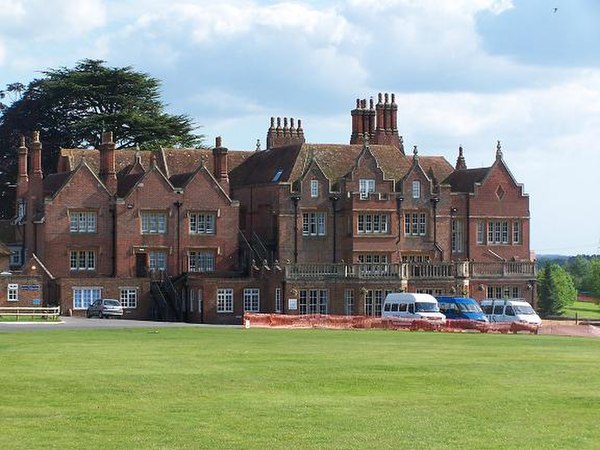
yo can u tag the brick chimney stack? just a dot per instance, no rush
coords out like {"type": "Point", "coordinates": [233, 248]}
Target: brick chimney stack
{"type": "Point", "coordinates": [36, 157]}
{"type": "Point", "coordinates": [278, 136]}
{"type": "Point", "coordinates": [380, 122]}
{"type": "Point", "coordinates": [363, 120]}
{"type": "Point", "coordinates": [220, 164]}
{"type": "Point", "coordinates": [461, 164]}
{"type": "Point", "coordinates": [23, 178]}
{"type": "Point", "coordinates": [108, 174]}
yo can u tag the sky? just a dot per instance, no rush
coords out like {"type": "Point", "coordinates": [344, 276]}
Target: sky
{"type": "Point", "coordinates": [465, 73]}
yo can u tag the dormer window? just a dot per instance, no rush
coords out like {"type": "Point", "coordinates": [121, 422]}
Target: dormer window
{"type": "Point", "coordinates": [366, 187]}
{"type": "Point", "coordinates": [314, 188]}
{"type": "Point", "coordinates": [416, 189]}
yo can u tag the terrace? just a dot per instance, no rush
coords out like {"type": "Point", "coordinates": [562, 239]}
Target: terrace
{"type": "Point", "coordinates": [413, 271]}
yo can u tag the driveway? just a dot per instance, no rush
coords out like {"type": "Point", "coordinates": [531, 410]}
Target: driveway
{"type": "Point", "coordinates": [66, 323]}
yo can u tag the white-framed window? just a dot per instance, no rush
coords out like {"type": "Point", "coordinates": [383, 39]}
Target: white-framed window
{"type": "Point", "coordinates": [82, 221]}
{"type": "Point", "coordinates": [416, 189]}
{"type": "Point", "coordinates": [430, 291]}
{"type": "Point", "coordinates": [128, 297]}
{"type": "Point", "coordinates": [154, 222]}
{"type": "Point", "coordinates": [373, 223]}
{"type": "Point", "coordinates": [373, 264]}
{"type": "Point", "coordinates": [366, 186]}
{"type": "Point", "coordinates": [313, 301]}
{"type": "Point", "coordinates": [457, 236]}
{"type": "Point", "coordinates": [201, 261]}
{"type": "Point", "coordinates": [415, 224]}
{"type": "Point", "coordinates": [349, 302]}
{"type": "Point", "coordinates": [498, 232]}
{"type": "Point", "coordinates": [503, 292]}
{"type": "Point", "coordinates": [82, 260]}
{"type": "Point", "coordinates": [516, 233]}
{"type": "Point", "coordinates": [225, 300]}
{"type": "Point", "coordinates": [12, 292]}
{"type": "Point", "coordinates": [200, 297]}
{"type": "Point", "coordinates": [202, 223]}
{"type": "Point", "coordinates": [314, 188]}
{"type": "Point", "coordinates": [415, 258]}
{"type": "Point", "coordinates": [314, 224]}
{"type": "Point", "coordinates": [84, 296]}
{"type": "Point", "coordinates": [374, 300]}
{"type": "Point", "coordinates": [481, 232]}
{"type": "Point", "coordinates": [157, 260]}
{"type": "Point", "coordinates": [251, 300]}
{"type": "Point", "coordinates": [278, 304]}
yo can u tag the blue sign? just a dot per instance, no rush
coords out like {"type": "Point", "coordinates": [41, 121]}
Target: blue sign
{"type": "Point", "coordinates": [30, 287]}
{"type": "Point", "coordinates": [36, 301]}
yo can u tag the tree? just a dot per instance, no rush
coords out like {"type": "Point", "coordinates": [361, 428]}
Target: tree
{"type": "Point", "coordinates": [72, 107]}
{"type": "Point", "coordinates": [556, 290]}
{"type": "Point", "coordinates": [591, 282]}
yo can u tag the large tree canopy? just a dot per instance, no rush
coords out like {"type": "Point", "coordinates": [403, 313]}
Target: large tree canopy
{"type": "Point", "coordinates": [71, 107]}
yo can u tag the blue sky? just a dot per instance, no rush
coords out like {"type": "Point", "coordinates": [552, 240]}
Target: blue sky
{"type": "Point", "coordinates": [465, 72]}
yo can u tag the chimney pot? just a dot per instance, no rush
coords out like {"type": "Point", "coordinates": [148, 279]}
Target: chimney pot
{"type": "Point", "coordinates": [218, 141]}
{"type": "Point", "coordinates": [386, 98]}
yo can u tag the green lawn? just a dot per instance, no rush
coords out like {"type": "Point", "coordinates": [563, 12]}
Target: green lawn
{"type": "Point", "coordinates": [260, 388]}
{"type": "Point", "coordinates": [586, 310]}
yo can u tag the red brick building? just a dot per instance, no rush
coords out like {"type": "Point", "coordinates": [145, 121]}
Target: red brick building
{"type": "Point", "coordinates": [204, 235]}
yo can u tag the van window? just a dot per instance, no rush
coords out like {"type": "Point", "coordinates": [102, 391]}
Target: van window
{"type": "Point", "coordinates": [395, 307]}
{"type": "Point", "coordinates": [386, 307]}
{"type": "Point", "coordinates": [509, 311]}
{"type": "Point", "coordinates": [402, 307]}
{"type": "Point", "coordinates": [444, 307]}
{"type": "Point", "coordinates": [469, 307]}
{"type": "Point", "coordinates": [498, 309]}
{"type": "Point", "coordinates": [411, 308]}
{"type": "Point", "coordinates": [487, 309]}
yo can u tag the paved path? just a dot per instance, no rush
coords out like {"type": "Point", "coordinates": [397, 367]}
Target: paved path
{"type": "Point", "coordinates": [83, 322]}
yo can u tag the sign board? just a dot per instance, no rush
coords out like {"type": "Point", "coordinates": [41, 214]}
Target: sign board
{"type": "Point", "coordinates": [30, 287]}
{"type": "Point", "coordinates": [292, 304]}
{"type": "Point", "coordinates": [36, 301]}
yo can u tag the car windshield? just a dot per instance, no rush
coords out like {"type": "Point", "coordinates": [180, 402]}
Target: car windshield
{"type": "Point", "coordinates": [469, 307]}
{"type": "Point", "coordinates": [111, 302]}
{"type": "Point", "coordinates": [526, 309]}
{"type": "Point", "coordinates": [426, 307]}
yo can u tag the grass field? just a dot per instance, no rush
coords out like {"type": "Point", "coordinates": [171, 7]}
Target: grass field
{"type": "Point", "coordinates": [260, 388]}
{"type": "Point", "coordinates": [586, 310]}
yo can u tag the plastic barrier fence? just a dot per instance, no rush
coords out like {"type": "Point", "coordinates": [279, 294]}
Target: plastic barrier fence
{"type": "Point", "coordinates": [365, 322]}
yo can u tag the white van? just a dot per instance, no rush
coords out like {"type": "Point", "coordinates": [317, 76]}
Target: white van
{"type": "Point", "coordinates": [402, 305]}
{"type": "Point", "coordinates": [515, 310]}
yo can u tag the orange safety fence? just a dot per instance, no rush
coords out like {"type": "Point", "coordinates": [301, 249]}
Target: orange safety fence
{"type": "Point", "coordinates": [366, 322]}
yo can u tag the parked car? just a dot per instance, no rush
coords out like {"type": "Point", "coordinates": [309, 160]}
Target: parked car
{"type": "Point", "coordinates": [461, 308]}
{"type": "Point", "coordinates": [105, 307]}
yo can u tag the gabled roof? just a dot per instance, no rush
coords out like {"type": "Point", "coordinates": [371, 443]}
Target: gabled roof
{"type": "Point", "coordinates": [335, 160]}
{"type": "Point", "coordinates": [464, 180]}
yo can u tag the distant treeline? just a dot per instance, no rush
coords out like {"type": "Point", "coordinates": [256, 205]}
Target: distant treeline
{"type": "Point", "coordinates": [583, 269]}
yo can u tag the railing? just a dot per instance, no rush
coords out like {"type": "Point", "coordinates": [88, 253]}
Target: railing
{"type": "Point", "coordinates": [503, 269]}
{"type": "Point", "coordinates": [18, 312]}
{"type": "Point", "coordinates": [413, 271]}
{"type": "Point", "coordinates": [160, 302]}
